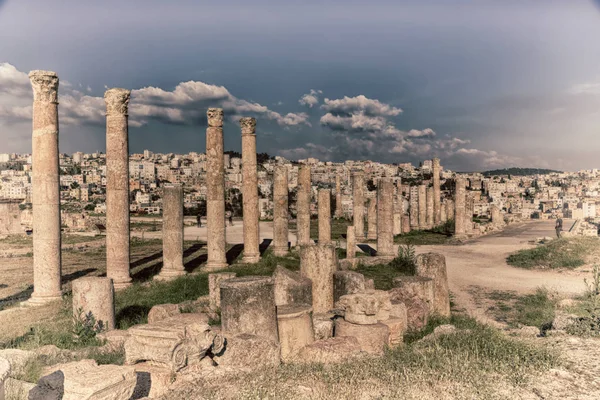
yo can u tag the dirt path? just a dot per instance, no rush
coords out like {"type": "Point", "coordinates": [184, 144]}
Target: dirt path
{"type": "Point", "coordinates": [481, 265]}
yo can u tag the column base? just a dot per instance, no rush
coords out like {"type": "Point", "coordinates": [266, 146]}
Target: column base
{"type": "Point", "coordinates": [121, 285]}
{"type": "Point", "coordinates": [169, 275]}
{"type": "Point", "coordinates": [371, 237]}
{"type": "Point", "coordinates": [36, 301]}
{"type": "Point", "coordinates": [215, 266]}
{"type": "Point", "coordinates": [280, 251]}
{"type": "Point", "coordinates": [250, 258]}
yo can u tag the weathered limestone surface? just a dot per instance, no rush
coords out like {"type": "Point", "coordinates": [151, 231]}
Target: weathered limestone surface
{"type": "Point", "coordinates": [323, 325]}
{"type": "Point", "coordinates": [443, 215]}
{"type": "Point", "coordinates": [347, 282]}
{"type": "Point", "coordinates": [86, 380]}
{"type": "Point", "coordinates": [162, 311]}
{"type": "Point", "coordinates": [338, 197]}
{"type": "Point", "coordinates": [422, 207]}
{"type": "Point", "coordinates": [449, 209]}
{"type": "Point", "coordinates": [414, 208]}
{"type": "Point", "coordinates": [291, 288]}
{"type": "Point", "coordinates": [350, 242]}
{"type": "Point", "coordinates": [330, 351]}
{"type": "Point", "coordinates": [365, 308]}
{"type": "Point", "coordinates": [95, 295]}
{"type": "Point", "coordinates": [172, 233]}
{"type": "Point", "coordinates": [437, 215]}
{"type": "Point", "coordinates": [245, 352]}
{"type": "Point", "coordinates": [406, 224]}
{"type": "Point", "coordinates": [430, 210]}
{"type": "Point", "coordinates": [117, 187]}
{"type": "Point", "coordinates": [397, 223]}
{"type": "Point", "coordinates": [372, 219]}
{"type": "Point", "coordinates": [295, 329]}
{"type": "Point", "coordinates": [248, 306]}
{"type": "Point", "coordinates": [433, 265]}
{"type": "Point", "coordinates": [406, 287]}
{"type": "Point", "coordinates": [469, 211]}
{"type": "Point", "coordinates": [4, 372]}
{"type": "Point", "coordinates": [303, 206]}
{"type": "Point", "coordinates": [173, 342]}
{"type": "Point", "coordinates": [371, 338]}
{"type": "Point", "coordinates": [324, 204]}
{"type": "Point", "coordinates": [280, 211]}
{"type": "Point", "coordinates": [45, 189]}
{"type": "Point", "coordinates": [358, 204]}
{"type": "Point", "coordinates": [214, 287]}
{"type": "Point", "coordinates": [250, 191]}
{"type": "Point", "coordinates": [459, 208]}
{"type": "Point", "coordinates": [215, 191]}
{"type": "Point", "coordinates": [397, 327]}
{"type": "Point", "coordinates": [385, 218]}
{"type": "Point", "coordinates": [318, 263]}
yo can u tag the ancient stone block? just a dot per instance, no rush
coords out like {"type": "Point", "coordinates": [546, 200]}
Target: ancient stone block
{"type": "Point", "coordinates": [433, 265]}
{"type": "Point", "coordinates": [318, 263]}
{"type": "Point", "coordinates": [173, 342]}
{"type": "Point", "coordinates": [323, 326]}
{"type": "Point", "coordinates": [291, 288]}
{"type": "Point", "coordinates": [295, 329]}
{"type": "Point", "coordinates": [95, 295]}
{"type": "Point", "coordinates": [49, 387]}
{"type": "Point", "coordinates": [162, 311]}
{"type": "Point", "coordinates": [347, 282]}
{"type": "Point", "coordinates": [365, 308]}
{"type": "Point", "coordinates": [280, 211]}
{"type": "Point", "coordinates": [248, 306]}
{"type": "Point", "coordinates": [397, 327]}
{"type": "Point", "coordinates": [330, 351]}
{"type": "Point", "coordinates": [324, 207]}
{"type": "Point", "coordinates": [214, 287]}
{"type": "Point", "coordinates": [417, 313]}
{"type": "Point", "coordinates": [371, 338]}
{"type": "Point", "coordinates": [4, 372]}
{"type": "Point", "coordinates": [407, 287]}
{"type": "Point", "coordinates": [248, 353]}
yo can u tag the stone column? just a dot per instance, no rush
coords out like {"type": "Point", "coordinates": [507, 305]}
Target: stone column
{"type": "Point", "coordinates": [414, 208]}
{"type": "Point", "coordinates": [422, 207]}
{"type": "Point", "coordinates": [95, 295]}
{"type": "Point", "coordinates": [469, 210]}
{"type": "Point", "coordinates": [250, 191]}
{"type": "Point", "coordinates": [318, 262]}
{"type": "Point", "coordinates": [303, 206]}
{"type": "Point", "coordinates": [324, 216]}
{"type": "Point", "coordinates": [172, 233]}
{"type": "Point", "coordinates": [45, 189]}
{"type": "Point", "coordinates": [358, 204]}
{"type": "Point", "coordinates": [295, 327]}
{"type": "Point", "coordinates": [117, 187]}
{"type": "Point", "coordinates": [430, 208]}
{"type": "Point", "coordinates": [215, 196]}
{"type": "Point", "coordinates": [280, 211]}
{"type": "Point", "coordinates": [437, 214]}
{"type": "Point", "coordinates": [450, 209]}
{"type": "Point", "coordinates": [385, 218]}
{"type": "Point", "coordinates": [443, 215]}
{"type": "Point", "coordinates": [433, 265]}
{"type": "Point", "coordinates": [459, 208]}
{"type": "Point", "coordinates": [406, 224]}
{"type": "Point", "coordinates": [248, 307]}
{"type": "Point", "coordinates": [350, 243]}
{"type": "Point", "coordinates": [397, 223]}
{"type": "Point", "coordinates": [338, 197]}
{"type": "Point", "coordinates": [372, 219]}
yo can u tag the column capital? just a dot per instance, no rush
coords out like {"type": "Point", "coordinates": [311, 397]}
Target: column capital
{"type": "Point", "coordinates": [45, 86]}
{"type": "Point", "coordinates": [215, 117]}
{"type": "Point", "coordinates": [248, 125]}
{"type": "Point", "coordinates": [117, 101]}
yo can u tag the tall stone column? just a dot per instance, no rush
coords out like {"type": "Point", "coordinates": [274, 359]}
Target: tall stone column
{"type": "Point", "coordinates": [45, 189]}
{"type": "Point", "coordinates": [338, 197]}
{"type": "Point", "coordinates": [350, 243]}
{"type": "Point", "coordinates": [215, 185]}
{"type": "Point", "coordinates": [469, 211]}
{"type": "Point", "coordinates": [172, 233]}
{"type": "Point", "coordinates": [450, 209]}
{"type": "Point", "coordinates": [324, 216]}
{"type": "Point", "coordinates": [430, 208]}
{"type": "Point", "coordinates": [280, 211]}
{"type": "Point", "coordinates": [413, 207]}
{"type": "Point", "coordinates": [443, 215]}
{"type": "Point", "coordinates": [358, 204]}
{"type": "Point", "coordinates": [422, 207]}
{"type": "Point", "coordinates": [437, 213]}
{"type": "Point", "coordinates": [459, 208]}
{"type": "Point", "coordinates": [303, 206]}
{"type": "Point", "coordinates": [372, 219]}
{"type": "Point", "coordinates": [250, 191]}
{"type": "Point", "coordinates": [117, 187]}
{"type": "Point", "coordinates": [385, 218]}
{"type": "Point", "coordinates": [318, 262]}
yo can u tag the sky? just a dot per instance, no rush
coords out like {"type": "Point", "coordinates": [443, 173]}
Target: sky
{"type": "Point", "coordinates": [480, 84]}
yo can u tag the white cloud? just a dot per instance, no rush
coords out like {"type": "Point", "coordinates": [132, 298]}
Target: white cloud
{"type": "Point", "coordinates": [586, 88]}
{"type": "Point", "coordinates": [310, 99]}
{"type": "Point", "coordinates": [13, 81]}
{"type": "Point", "coordinates": [360, 104]}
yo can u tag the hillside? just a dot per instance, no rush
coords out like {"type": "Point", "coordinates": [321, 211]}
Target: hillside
{"type": "Point", "coordinates": [519, 171]}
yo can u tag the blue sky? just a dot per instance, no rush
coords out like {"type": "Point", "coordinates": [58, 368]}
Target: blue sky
{"type": "Point", "coordinates": [480, 84]}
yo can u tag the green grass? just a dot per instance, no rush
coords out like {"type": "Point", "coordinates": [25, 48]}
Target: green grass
{"type": "Point", "coordinates": [338, 228]}
{"type": "Point", "coordinates": [423, 238]}
{"type": "Point", "coordinates": [383, 274]}
{"type": "Point", "coordinates": [561, 253]}
{"type": "Point", "coordinates": [535, 309]}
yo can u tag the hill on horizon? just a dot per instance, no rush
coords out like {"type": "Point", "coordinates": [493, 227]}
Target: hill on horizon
{"type": "Point", "coordinates": [520, 171]}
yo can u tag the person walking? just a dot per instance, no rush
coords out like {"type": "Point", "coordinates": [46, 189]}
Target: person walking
{"type": "Point", "coordinates": [199, 220]}
{"type": "Point", "coordinates": [558, 227]}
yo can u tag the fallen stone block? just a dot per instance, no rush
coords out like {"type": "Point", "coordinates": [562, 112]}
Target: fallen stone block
{"type": "Point", "coordinates": [323, 326]}
{"type": "Point", "coordinates": [371, 338]}
{"type": "Point", "coordinates": [347, 282]}
{"type": "Point", "coordinates": [433, 265]}
{"type": "Point", "coordinates": [365, 308]}
{"type": "Point", "coordinates": [152, 380]}
{"type": "Point", "coordinates": [17, 359]}
{"type": "Point", "coordinates": [295, 328]}
{"type": "Point", "coordinates": [406, 287]}
{"type": "Point", "coordinates": [248, 353]}
{"type": "Point", "coordinates": [397, 327]}
{"type": "Point", "coordinates": [417, 313]}
{"type": "Point", "coordinates": [330, 351]}
{"type": "Point", "coordinates": [162, 311]}
{"type": "Point", "coordinates": [214, 287]}
{"type": "Point", "coordinates": [291, 288]}
{"type": "Point", "coordinates": [49, 387]}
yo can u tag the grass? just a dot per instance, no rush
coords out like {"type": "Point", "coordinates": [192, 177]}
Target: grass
{"type": "Point", "coordinates": [338, 228]}
{"type": "Point", "coordinates": [383, 274]}
{"type": "Point", "coordinates": [560, 253]}
{"type": "Point", "coordinates": [536, 309]}
{"type": "Point", "coordinates": [468, 364]}
{"type": "Point", "coordinates": [423, 238]}
{"type": "Point", "coordinates": [23, 241]}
